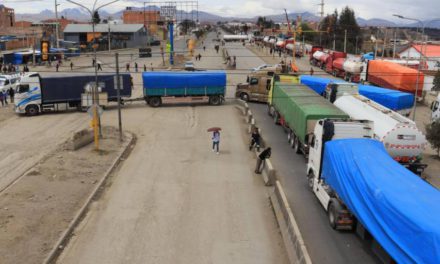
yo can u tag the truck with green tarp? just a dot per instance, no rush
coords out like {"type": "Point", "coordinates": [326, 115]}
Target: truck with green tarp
{"type": "Point", "coordinates": [297, 108]}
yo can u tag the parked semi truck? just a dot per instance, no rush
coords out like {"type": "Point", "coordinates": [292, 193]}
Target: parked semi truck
{"type": "Point", "coordinates": [400, 136]}
{"type": "Point", "coordinates": [362, 188]}
{"type": "Point", "coordinates": [39, 93]}
{"type": "Point", "coordinates": [185, 87]}
{"type": "Point", "coordinates": [257, 86]}
{"type": "Point", "coordinates": [347, 69]}
{"type": "Point", "coordinates": [393, 76]}
{"type": "Point", "coordinates": [395, 100]}
{"type": "Point", "coordinates": [297, 108]}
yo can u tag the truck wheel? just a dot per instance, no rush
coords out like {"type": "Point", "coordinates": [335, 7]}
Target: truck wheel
{"type": "Point", "coordinates": [289, 135]}
{"type": "Point", "coordinates": [215, 100]}
{"type": "Point", "coordinates": [331, 213]}
{"type": "Point", "coordinates": [155, 101]}
{"type": "Point", "coordinates": [244, 97]}
{"type": "Point", "coordinates": [297, 146]}
{"type": "Point", "coordinates": [310, 178]}
{"type": "Point", "coordinates": [31, 110]}
{"type": "Point", "coordinates": [292, 141]}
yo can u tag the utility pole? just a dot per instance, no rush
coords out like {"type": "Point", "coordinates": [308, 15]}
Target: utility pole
{"type": "Point", "coordinates": [118, 88]}
{"type": "Point", "coordinates": [384, 42]}
{"type": "Point", "coordinates": [334, 41]}
{"type": "Point", "coordinates": [171, 30]}
{"type": "Point", "coordinates": [356, 46]}
{"type": "Point", "coordinates": [321, 13]}
{"type": "Point", "coordinates": [109, 41]}
{"type": "Point", "coordinates": [345, 41]}
{"type": "Point", "coordinates": [56, 25]}
{"type": "Point", "coordinates": [394, 44]}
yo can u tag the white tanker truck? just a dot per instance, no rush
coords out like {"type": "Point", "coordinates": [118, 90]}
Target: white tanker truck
{"type": "Point", "coordinates": [400, 135]}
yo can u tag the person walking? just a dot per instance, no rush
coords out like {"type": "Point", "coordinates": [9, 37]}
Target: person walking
{"type": "Point", "coordinates": [5, 97]}
{"type": "Point", "coordinates": [1, 98]}
{"type": "Point", "coordinates": [145, 68]}
{"type": "Point", "coordinates": [265, 154]}
{"type": "Point", "coordinates": [99, 66]}
{"type": "Point", "coordinates": [311, 71]}
{"type": "Point", "coordinates": [71, 66]}
{"type": "Point", "coordinates": [255, 139]}
{"type": "Point", "coordinates": [11, 94]}
{"type": "Point", "coordinates": [215, 141]}
{"type": "Point", "coordinates": [204, 48]}
{"type": "Point", "coordinates": [136, 67]}
{"type": "Point", "coordinates": [127, 67]}
{"type": "Point", "coordinates": [93, 63]}
{"type": "Point", "coordinates": [57, 66]}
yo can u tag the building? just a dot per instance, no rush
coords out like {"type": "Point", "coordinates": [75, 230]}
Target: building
{"type": "Point", "coordinates": [121, 35]}
{"type": "Point", "coordinates": [150, 18]}
{"type": "Point", "coordinates": [62, 22]}
{"type": "Point", "coordinates": [7, 17]}
{"type": "Point", "coordinates": [429, 53]}
{"type": "Point", "coordinates": [23, 24]}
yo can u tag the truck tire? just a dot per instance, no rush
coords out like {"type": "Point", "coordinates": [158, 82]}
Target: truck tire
{"type": "Point", "coordinates": [333, 212]}
{"type": "Point", "coordinates": [310, 178]}
{"type": "Point", "coordinates": [32, 110]}
{"type": "Point", "coordinates": [244, 97]}
{"type": "Point", "coordinates": [155, 101]}
{"type": "Point", "coordinates": [215, 100]}
{"type": "Point", "coordinates": [297, 147]}
{"type": "Point", "coordinates": [289, 135]}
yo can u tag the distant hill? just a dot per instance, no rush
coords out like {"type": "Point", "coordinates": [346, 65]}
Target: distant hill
{"type": "Point", "coordinates": [82, 15]}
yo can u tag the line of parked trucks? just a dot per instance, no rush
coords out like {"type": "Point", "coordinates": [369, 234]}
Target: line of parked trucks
{"type": "Point", "coordinates": [353, 148]}
{"type": "Point", "coordinates": [394, 74]}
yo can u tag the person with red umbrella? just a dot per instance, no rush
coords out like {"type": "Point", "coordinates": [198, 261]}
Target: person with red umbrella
{"type": "Point", "coordinates": [215, 138]}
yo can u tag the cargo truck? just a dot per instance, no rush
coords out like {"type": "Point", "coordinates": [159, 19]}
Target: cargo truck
{"type": "Point", "coordinates": [400, 136]}
{"type": "Point", "coordinates": [297, 108]}
{"type": "Point", "coordinates": [347, 69]}
{"type": "Point", "coordinates": [362, 188]}
{"type": "Point", "coordinates": [184, 87]}
{"type": "Point", "coordinates": [39, 93]}
{"type": "Point", "coordinates": [257, 86]}
{"type": "Point", "coordinates": [393, 76]}
{"type": "Point", "coordinates": [395, 100]}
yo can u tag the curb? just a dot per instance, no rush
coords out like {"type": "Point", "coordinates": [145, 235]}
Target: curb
{"type": "Point", "coordinates": [293, 241]}
{"type": "Point", "coordinates": [59, 245]}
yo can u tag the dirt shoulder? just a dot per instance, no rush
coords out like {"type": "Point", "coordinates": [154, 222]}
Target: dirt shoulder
{"type": "Point", "coordinates": [36, 210]}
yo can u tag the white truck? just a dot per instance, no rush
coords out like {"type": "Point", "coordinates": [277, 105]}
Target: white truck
{"type": "Point", "coordinates": [326, 130]}
{"type": "Point", "coordinates": [8, 81]}
{"type": "Point", "coordinates": [401, 137]}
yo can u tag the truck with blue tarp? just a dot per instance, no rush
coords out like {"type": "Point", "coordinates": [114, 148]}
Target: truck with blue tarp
{"type": "Point", "coordinates": [168, 86]}
{"type": "Point", "coordinates": [395, 100]}
{"type": "Point", "coordinates": [361, 187]}
{"type": "Point", "coordinates": [38, 92]}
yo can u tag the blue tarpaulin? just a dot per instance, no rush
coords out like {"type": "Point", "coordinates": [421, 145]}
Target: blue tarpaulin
{"type": "Point", "coordinates": [184, 83]}
{"type": "Point", "coordinates": [399, 209]}
{"type": "Point", "coordinates": [392, 99]}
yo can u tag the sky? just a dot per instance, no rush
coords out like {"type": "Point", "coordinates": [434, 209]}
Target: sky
{"type": "Point", "coordinates": [421, 9]}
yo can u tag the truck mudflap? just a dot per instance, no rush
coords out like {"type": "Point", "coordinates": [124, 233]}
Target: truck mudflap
{"type": "Point", "coordinates": [416, 168]}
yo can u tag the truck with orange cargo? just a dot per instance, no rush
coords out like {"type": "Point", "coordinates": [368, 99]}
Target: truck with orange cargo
{"type": "Point", "coordinates": [393, 76]}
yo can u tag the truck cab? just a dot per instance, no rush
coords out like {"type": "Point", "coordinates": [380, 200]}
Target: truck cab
{"type": "Point", "coordinates": [257, 85]}
{"type": "Point", "coordinates": [326, 130]}
{"type": "Point", "coordinates": [335, 90]}
{"type": "Point", "coordinates": [8, 81]}
{"type": "Point", "coordinates": [28, 95]}
{"type": "Point", "coordinates": [435, 107]}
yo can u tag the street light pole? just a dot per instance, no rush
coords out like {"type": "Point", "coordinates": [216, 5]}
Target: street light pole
{"type": "Point", "coordinates": [57, 36]}
{"type": "Point", "coordinates": [95, 95]}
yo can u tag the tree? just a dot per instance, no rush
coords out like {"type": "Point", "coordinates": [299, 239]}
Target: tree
{"type": "Point", "coordinates": [308, 36]}
{"type": "Point", "coordinates": [96, 18]}
{"type": "Point", "coordinates": [347, 21]}
{"type": "Point", "coordinates": [433, 135]}
{"type": "Point", "coordinates": [245, 28]}
{"type": "Point", "coordinates": [186, 25]}
{"type": "Point", "coordinates": [436, 81]}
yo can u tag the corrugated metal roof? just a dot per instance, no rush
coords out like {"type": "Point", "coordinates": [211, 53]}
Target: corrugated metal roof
{"type": "Point", "coordinates": [429, 50]}
{"type": "Point", "coordinates": [103, 28]}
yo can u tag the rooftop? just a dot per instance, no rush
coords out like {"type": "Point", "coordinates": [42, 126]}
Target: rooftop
{"type": "Point", "coordinates": [428, 50]}
{"type": "Point", "coordinates": [103, 28]}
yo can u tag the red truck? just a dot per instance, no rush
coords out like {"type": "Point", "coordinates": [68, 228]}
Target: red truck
{"type": "Point", "coordinates": [349, 70]}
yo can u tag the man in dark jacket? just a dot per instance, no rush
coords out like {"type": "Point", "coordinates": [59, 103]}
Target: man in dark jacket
{"type": "Point", "coordinates": [11, 94]}
{"type": "Point", "coordinates": [255, 139]}
{"type": "Point", "coordinates": [265, 154]}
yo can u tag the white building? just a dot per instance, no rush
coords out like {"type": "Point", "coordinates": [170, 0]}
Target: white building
{"type": "Point", "coordinates": [430, 53]}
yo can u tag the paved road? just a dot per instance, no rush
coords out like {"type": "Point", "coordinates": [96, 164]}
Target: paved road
{"type": "Point", "coordinates": [175, 201]}
{"type": "Point", "coordinates": [324, 244]}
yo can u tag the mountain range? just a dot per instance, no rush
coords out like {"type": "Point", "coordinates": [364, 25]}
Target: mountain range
{"type": "Point", "coordinates": [82, 15]}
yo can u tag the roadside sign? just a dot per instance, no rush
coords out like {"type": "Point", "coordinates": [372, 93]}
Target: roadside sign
{"type": "Point", "coordinates": [91, 109]}
{"type": "Point", "coordinates": [168, 11]}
